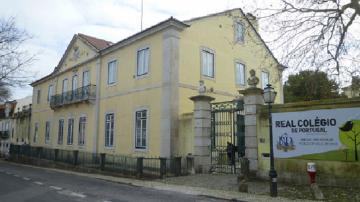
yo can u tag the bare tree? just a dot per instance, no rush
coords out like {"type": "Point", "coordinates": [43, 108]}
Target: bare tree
{"type": "Point", "coordinates": [13, 58]}
{"type": "Point", "coordinates": [319, 34]}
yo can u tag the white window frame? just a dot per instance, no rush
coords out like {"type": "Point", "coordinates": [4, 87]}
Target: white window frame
{"type": "Point", "coordinates": [265, 72]}
{"type": "Point", "coordinates": [83, 79]}
{"type": "Point", "coordinates": [239, 39]}
{"type": "Point", "coordinates": [110, 83]}
{"type": "Point", "coordinates": [141, 147]}
{"type": "Point", "coordinates": [203, 63]}
{"type": "Point", "coordinates": [109, 133]}
{"type": "Point", "coordinates": [65, 88]}
{"type": "Point", "coordinates": [145, 68]}
{"type": "Point", "coordinates": [70, 136]}
{"type": "Point", "coordinates": [50, 92]}
{"type": "Point", "coordinates": [75, 77]}
{"type": "Point", "coordinates": [240, 80]}
{"type": "Point", "coordinates": [82, 131]}
{"type": "Point", "coordinates": [36, 132]}
{"type": "Point", "coordinates": [47, 132]}
{"type": "Point", "coordinates": [62, 132]}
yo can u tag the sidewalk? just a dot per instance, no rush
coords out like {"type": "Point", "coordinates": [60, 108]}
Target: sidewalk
{"type": "Point", "coordinates": [259, 190]}
{"type": "Point", "coordinates": [218, 186]}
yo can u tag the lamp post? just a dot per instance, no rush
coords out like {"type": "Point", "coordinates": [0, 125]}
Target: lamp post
{"type": "Point", "coordinates": [269, 97]}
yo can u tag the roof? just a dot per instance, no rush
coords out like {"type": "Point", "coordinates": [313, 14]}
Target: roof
{"type": "Point", "coordinates": [246, 16]}
{"type": "Point", "coordinates": [170, 22]}
{"type": "Point", "coordinates": [99, 44]}
{"type": "Point", "coordinates": [102, 46]}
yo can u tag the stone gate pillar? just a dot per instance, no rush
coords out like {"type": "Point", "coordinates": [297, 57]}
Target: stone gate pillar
{"type": "Point", "coordinates": [202, 132]}
{"type": "Point", "coordinates": [253, 100]}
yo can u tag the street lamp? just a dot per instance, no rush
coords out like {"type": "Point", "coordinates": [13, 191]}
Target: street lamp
{"type": "Point", "coordinates": [269, 97]}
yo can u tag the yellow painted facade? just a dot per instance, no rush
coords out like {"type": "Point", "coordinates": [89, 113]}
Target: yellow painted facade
{"type": "Point", "coordinates": [173, 74]}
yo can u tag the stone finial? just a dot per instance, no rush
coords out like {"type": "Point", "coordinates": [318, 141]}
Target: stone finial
{"type": "Point", "coordinates": [253, 80]}
{"type": "Point", "coordinates": [202, 87]}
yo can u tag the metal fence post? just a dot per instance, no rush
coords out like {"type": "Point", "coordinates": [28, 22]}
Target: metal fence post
{"type": "Point", "coordinates": [56, 154]}
{"type": "Point", "coordinates": [177, 166]}
{"type": "Point", "coordinates": [139, 166]}
{"type": "Point", "coordinates": [102, 161]}
{"type": "Point", "coordinates": [39, 152]}
{"type": "Point", "coordinates": [162, 167]}
{"type": "Point", "coordinates": [75, 155]}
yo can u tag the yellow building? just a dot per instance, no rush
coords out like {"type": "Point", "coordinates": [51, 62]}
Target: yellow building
{"type": "Point", "coordinates": [128, 97]}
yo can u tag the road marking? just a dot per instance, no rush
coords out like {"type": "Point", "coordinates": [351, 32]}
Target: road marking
{"type": "Point", "coordinates": [77, 194]}
{"type": "Point", "coordinates": [70, 193]}
{"type": "Point", "coordinates": [38, 183]}
{"type": "Point", "coordinates": [16, 176]}
{"type": "Point", "coordinates": [8, 173]}
{"type": "Point", "coordinates": [26, 178]}
{"type": "Point", "coordinates": [106, 201]}
{"type": "Point", "coordinates": [56, 188]}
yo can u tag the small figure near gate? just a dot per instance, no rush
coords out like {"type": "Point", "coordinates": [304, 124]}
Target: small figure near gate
{"type": "Point", "coordinates": [230, 150]}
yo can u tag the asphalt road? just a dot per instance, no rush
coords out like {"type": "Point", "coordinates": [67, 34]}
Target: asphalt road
{"type": "Point", "coordinates": [30, 184]}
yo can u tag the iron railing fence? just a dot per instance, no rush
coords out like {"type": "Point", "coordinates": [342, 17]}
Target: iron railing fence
{"type": "Point", "coordinates": [126, 165]}
{"type": "Point", "coordinates": [64, 156]}
{"type": "Point", "coordinates": [120, 164]}
{"type": "Point", "coordinates": [80, 94]}
{"type": "Point", "coordinates": [89, 160]}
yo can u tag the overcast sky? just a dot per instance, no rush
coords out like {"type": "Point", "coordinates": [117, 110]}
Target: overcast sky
{"type": "Point", "coordinates": [52, 23]}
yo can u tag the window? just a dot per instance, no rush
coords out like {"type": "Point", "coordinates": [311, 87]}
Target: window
{"type": "Point", "coordinates": [143, 61]}
{"type": "Point", "coordinates": [70, 135]}
{"type": "Point", "coordinates": [264, 79]}
{"type": "Point", "coordinates": [109, 130]}
{"type": "Point", "coordinates": [47, 132]}
{"type": "Point", "coordinates": [112, 72]}
{"type": "Point", "coordinates": [240, 73]}
{"type": "Point", "coordinates": [86, 78]}
{"type": "Point", "coordinates": [74, 83]}
{"type": "Point", "coordinates": [207, 63]}
{"type": "Point", "coordinates": [82, 126]}
{"type": "Point", "coordinates": [50, 92]}
{"type": "Point", "coordinates": [239, 32]}
{"type": "Point", "coordinates": [140, 129]}
{"type": "Point", "coordinates": [36, 132]}
{"type": "Point", "coordinates": [65, 86]}
{"type": "Point", "coordinates": [38, 96]}
{"type": "Point", "coordinates": [61, 131]}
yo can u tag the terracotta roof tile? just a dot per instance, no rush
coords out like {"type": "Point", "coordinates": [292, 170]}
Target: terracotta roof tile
{"type": "Point", "coordinates": [97, 43]}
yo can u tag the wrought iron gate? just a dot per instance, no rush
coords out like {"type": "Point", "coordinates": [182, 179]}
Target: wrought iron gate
{"type": "Point", "coordinates": [227, 136]}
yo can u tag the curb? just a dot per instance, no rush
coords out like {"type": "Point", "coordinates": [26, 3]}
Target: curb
{"type": "Point", "coordinates": [200, 191]}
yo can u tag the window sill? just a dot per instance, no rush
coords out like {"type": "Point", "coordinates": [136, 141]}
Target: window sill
{"type": "Point", "coordinates": [240, 86]}
{"type": "Point", "coordinates": [208, 77]}
{"type": "Point", "coordinates": [143, 76]}
{"type": "Point", "coordinates": [111, 85]}
{"type": "Point", "coordinates": [144, 150]}
{"type": "Point", "coordinates": [240, 42]}
{"type": "Point", "coordinates": [109, 147]}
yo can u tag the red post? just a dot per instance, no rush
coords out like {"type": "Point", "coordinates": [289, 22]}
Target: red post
{"type": "Point", "coordinates": [311, 169]}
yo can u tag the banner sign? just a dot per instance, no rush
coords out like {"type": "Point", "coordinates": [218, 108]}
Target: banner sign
{"type": "Point", "coordinates": [315, 132]}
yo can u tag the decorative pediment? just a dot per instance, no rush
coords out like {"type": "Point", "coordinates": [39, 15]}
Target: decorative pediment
{"type": "Point", "coordinates": [81, 48]}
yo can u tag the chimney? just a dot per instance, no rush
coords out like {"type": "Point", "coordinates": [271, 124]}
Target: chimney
{"type": "Point", "coordinates": [253, 20]}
